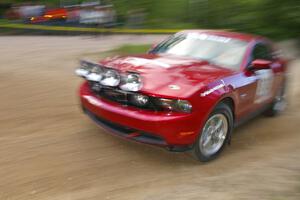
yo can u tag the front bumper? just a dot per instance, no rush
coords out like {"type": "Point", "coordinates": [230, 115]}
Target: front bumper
{"type": "Point", "coordinates": [172, 130]}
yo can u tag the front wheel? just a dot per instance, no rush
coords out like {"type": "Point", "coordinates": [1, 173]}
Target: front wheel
{"type": "Point", "coordinates": [215, 133]}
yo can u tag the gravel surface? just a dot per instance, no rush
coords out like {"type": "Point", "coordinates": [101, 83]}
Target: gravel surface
{"type": "Point", "coordinates": [50, 150]}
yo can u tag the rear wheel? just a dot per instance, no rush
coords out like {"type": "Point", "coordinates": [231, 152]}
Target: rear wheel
{"type": "Point", "coordinates": [214, 134]}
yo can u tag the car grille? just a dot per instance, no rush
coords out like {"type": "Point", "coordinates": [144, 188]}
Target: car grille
{"type": "Point", "coordinates": [120, 96]}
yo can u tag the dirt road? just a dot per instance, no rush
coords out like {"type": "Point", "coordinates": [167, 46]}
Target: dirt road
{"type": "Point", "coordinates": [49, 150]}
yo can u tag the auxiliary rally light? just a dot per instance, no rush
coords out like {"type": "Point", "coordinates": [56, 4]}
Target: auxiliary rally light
{"type": "Point", "coordinates": [130, 82]}
{"type": "Point", "coordinates": [109, 77]}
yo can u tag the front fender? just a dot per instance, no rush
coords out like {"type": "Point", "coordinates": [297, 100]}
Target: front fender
{"type": "Point", "coordinates": [210, 96]}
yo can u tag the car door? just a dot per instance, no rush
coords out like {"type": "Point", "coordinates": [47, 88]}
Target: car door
{"type": "Point", "coordinates": [267, 80]}
{"type": "Point", "coordinates": [255, 88]}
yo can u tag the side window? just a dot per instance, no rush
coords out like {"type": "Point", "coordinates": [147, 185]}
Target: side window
{"type": "Point", "coordinates": [261, 51]}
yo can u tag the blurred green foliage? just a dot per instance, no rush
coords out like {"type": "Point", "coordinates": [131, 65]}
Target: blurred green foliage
{"type": "Point", "coordinates": [127, 49]}
{"type": "Point", "coordinates": [273, 18]}
{"type": "Point", "coordinates": [131, 49]}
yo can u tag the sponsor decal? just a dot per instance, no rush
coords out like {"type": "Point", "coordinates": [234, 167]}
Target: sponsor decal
{"type": "Point", "coordinates": [217, 87]}
{"type": "Point", "coordinates": [264, 85]}
{"type": "Point", "coordinates": [204, 36]}
{"type": "Point", "coordinates": [143, 61]}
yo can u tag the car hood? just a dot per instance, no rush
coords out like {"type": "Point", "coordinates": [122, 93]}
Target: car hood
{"type": "Point", "coordinates": [168, 75]}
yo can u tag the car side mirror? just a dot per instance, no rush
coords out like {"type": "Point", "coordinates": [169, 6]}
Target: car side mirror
{"type": "Point", "coordinates": [259, 64]}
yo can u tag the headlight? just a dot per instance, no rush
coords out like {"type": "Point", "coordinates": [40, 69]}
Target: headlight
{"type": "Point", "coordinates": [183, 105]}
{"type": "Point", "coordinates": [131, 82]}
{"type": "Point", "coordinates": [139, 99]}
{"type": "Point", "coordinates": [110, 78]}
{"type": "Point", "coordinates": [167, 104]}
{"type": "Point", "coordinates": [175, 105]}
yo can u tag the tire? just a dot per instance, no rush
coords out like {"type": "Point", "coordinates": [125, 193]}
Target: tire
{"type": "Point", "coordinates": [201, 151]}
{"type": "Point", "coordinates": [278, 104]}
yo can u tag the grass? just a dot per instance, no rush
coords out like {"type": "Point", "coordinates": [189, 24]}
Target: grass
{"type": "Point", "coordinates": [18, 27]}
{"type": "Point", "coordinates": [122, 50]}
{"type": "Point", "coordinates": [131, 49]}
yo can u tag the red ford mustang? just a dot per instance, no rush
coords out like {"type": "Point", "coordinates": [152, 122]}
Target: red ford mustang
{"type": "Point", "coordinates": [188, 92]}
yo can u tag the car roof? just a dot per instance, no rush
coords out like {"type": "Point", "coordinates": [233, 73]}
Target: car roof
{"type": "Point", "coordinates": [242, 36]}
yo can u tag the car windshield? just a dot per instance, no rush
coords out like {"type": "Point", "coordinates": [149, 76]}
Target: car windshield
{"type": "Point", "coordinates": [224, 51]}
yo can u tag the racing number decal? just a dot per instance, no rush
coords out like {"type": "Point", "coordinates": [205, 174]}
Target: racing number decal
{"type": "Point", "coordinates": [264, 85]}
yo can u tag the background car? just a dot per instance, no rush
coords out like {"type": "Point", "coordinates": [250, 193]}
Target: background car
{"type": "Point", "coordinates": [50, 15]}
